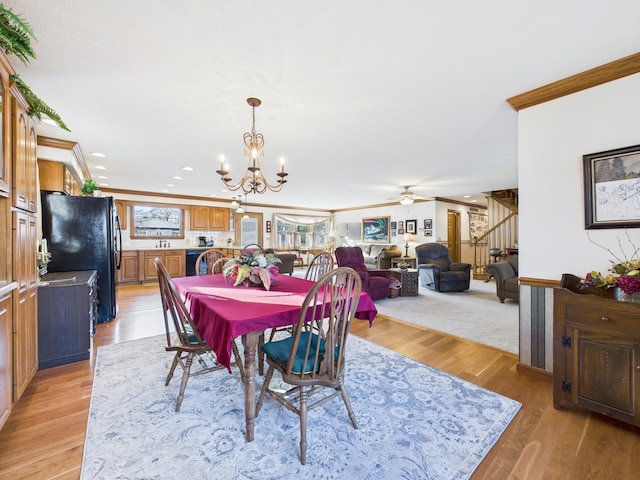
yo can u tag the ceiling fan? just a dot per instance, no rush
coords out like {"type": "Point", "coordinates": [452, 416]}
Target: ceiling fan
{"type": "Point", "coordinates": [407, 197]}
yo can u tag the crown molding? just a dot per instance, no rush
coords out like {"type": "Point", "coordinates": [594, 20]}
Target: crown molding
{"type": "Point", "coordinates": [582, 81]}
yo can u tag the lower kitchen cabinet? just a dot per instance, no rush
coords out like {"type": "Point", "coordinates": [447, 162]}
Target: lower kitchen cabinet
{"type": "Point", "coordinates": [6, 375]}
{"type": "Point", "coordinates": [67, 315]}
{"type": "Point", "coordinates": [173, 260]}
{"type": "Point", "coordinates": [128, 272]}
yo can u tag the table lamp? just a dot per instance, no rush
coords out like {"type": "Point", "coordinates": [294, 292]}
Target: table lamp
{"type": "Point", "coordinates": [407, 238]}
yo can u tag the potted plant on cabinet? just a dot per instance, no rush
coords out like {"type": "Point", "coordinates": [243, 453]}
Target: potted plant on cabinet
{"type": "Point", "coordinates": [89, 187]}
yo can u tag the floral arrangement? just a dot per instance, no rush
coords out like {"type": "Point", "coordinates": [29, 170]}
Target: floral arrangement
{"type": "Point", "coordinates": [43, 257]}
{"type": "Point", "coordinates": [624, 273]}
{"type": "Point", "coordinates": [252, 266]}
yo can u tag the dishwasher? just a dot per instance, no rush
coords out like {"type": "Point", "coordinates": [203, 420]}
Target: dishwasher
{"type": "Point", "coordinates": [191, 256]}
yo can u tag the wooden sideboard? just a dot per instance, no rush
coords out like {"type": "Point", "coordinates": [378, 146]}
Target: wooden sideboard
{"type": "Point", "coordinates": [596, 355]}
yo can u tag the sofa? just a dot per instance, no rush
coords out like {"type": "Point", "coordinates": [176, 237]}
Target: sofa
{"type": "Point", "coordinates": [287, 260]}
{"type": "Point", "coordinates": [378, 255]}
{"type": "Point", "coordinates": [505, 273]}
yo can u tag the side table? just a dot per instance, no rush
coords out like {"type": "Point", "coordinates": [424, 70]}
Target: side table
{"type": "Point", "coordinates": [395, 261]}
{"type": "Point", "coordinates": [409, 280]}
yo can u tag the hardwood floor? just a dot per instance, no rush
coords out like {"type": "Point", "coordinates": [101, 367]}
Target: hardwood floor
{"type": "Point", "coordinates": [44, 436]}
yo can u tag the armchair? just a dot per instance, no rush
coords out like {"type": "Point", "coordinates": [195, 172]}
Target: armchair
{"type": "Point", "coordinates": [437, 272]}
{"type": "Point", "coordinates": [374, 282]}
{"type": "Point", "coordinates": [505, 273]}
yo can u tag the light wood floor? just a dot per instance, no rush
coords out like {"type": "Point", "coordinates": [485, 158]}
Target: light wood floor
{"type": "Point", "coordinates": [44, 436]}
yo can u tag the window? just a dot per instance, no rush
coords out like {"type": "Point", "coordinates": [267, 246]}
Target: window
{"type": "Point", "coordinates": [298, 232]}
{"type": "Point", "coordinates": [156, 221]}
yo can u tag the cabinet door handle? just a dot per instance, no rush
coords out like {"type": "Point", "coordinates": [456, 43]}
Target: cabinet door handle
{"type": "Point", "coordinates": [605, 319]}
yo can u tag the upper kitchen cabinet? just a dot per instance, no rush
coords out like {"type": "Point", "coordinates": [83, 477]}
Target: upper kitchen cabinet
{"type": "Point", "coordinates": [208, 218]}
{"type": "Point", "coordinates": [24, 182]}
{"type": "Point", "coordinates": [57, 177]}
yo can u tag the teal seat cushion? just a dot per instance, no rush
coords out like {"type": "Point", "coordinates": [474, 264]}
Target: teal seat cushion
{"type": "Point", "coordinates": [279, 351]}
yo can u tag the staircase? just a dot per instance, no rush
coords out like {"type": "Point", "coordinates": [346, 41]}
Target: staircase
{"type": "Point", "coordinates": [502, 210]}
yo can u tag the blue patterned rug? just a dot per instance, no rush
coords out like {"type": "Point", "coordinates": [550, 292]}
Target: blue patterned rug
{"type": "Point", "coordinates": [415, 422]}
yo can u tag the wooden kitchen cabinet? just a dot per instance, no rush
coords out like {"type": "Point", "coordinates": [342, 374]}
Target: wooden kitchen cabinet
{"type": "Point", "coordinates": [67, 317]}
{"type": "Point", "coordinates": [208, 218]}
{"type": "Point", "coordinates": [56, 177]}
{"type": "Point", "coordinates": [173, 260]}
{"type": "Point", "coordinates": [121, 211]}
{"type": "Point", "coordinates": [6, 374]}
{"type": "Point", "coordinates": [24, 182]}
{"type": "Point", "coordinates": [596, 355]}
{"type": "Point", "coordinates": [25, 319]}
{"type": "Point", "coordinates": [129, 270]}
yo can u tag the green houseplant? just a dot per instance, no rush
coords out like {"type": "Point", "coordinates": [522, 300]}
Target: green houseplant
{"type": "Point", "coordinates": [89, 187]}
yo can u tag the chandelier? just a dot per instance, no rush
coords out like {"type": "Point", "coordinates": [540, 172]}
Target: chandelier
{"type": "Point", "coordinates": [253, 180]}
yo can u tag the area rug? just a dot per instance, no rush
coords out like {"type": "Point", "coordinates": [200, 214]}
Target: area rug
{"type": "Point", "coordinates": [415, 422]}
{"type": "Point", "coordinates": [475, 314]}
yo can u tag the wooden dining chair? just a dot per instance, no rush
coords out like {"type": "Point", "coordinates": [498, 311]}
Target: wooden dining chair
{"type": "Point", "coordinates": [321, 264]}
{"type": "Point", "coordinates": [207, 260]}
{"type": "Point", "coordinates": [313, 359]}
{"type": "Point", "coordinates": [189, 345]}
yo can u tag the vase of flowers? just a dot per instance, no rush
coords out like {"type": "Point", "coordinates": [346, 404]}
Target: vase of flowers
{"type": "Point", "coordinates": [43, 257]}
{"type": "Point", "coordinates": [252, 268]}
{"type": "Point", "coordinates": [623, 276]}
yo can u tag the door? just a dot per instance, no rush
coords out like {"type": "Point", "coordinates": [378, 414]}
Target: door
{"type": "Point", "coordinates": [248, 229]}
{"type": "Point", "coordinates": [453, 234]}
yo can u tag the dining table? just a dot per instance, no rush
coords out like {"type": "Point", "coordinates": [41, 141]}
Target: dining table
{"type": "Point", "coordinates": [222, 311]}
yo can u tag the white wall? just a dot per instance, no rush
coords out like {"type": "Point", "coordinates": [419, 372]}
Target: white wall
{"type": "Point", "coordinates": [552, 139]}
{"type": "Point", "coordinates": [436, 211]}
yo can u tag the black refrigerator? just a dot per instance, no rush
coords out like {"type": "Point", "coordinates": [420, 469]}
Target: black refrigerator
{"type": "Point", "coordinates": [83, 233]}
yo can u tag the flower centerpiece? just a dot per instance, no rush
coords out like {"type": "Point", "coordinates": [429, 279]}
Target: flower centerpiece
{"type": "Point", "coordinates": [43, 257]}
{"type": "Point", "coordinates": [623, 274]}
{"type": "Point", "coordinates": [254, 267]}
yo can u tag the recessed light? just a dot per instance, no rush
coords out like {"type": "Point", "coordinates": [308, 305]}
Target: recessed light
{"type": "Point", "coordinates": [177, 178]}
{"type": "Point", "coordinates": [164, 190]}
{"type": "Point", "coordinates": [48, 121]}
{"type": "Point", "coordinates": [100, 167]}
{"type": "Point", "coordinates": [467, 196]}
{"type": "Point", "coordinates": [472, 201]}
{"type": "Point", "coordinates": [104, 184]}
{"type": "Point", "coordinates": [170, 185]}
{"type": "Point", "coordinates": [102, 177]}
{"type": "Point", "coordinates": [187, 169]}
{"type": "Point", "coordinates": [214, 195]}
{"type": "Point", "coordinates": [98, 154]}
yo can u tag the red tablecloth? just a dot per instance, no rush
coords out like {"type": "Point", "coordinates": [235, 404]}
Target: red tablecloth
{"type": "Point", "coordinates": [222, 312]}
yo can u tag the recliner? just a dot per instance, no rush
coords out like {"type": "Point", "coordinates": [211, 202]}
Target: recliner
{"type": "Point", "coordinates": [437, 272]}
{"type": "Point", "coordinates": [374, 282]}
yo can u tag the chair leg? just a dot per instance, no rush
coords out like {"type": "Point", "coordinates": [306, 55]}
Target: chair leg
{"type": "Point", "coordinates": [347, 403]}
{"type": "Point", "coordinates": [260, 354]}
{"type": "Point", "coordinates": [263, 390]}
{"type": "Point", "coordinates": [236, 355]}
{"type": "Point", "coordinates": [176, 358]}
{"type": "Point", "coordinates": [185, 378]}
{"type": "Point", "coordinates": [303, 425]}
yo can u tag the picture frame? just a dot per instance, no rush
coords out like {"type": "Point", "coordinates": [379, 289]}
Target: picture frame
{"type": "Point", "coordinates": [401, 227]}
{"type": "Point", "coordinates": [412, 226]}
{"type": "Point", "coordinates": [428, 233]}
{"type": "Point", "coordinates": [394, 225]}
{"type": "Point", "coordinates": [376, 229]}
{"type": "Point", "coordinates": [612, 188]}
{"type": "Point", "coordinates": [428, 223]}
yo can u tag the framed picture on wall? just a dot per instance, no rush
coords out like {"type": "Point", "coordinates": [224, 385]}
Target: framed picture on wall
{"type": "Point", "coordinates": [376, 229]}
{"type": "Point", "coordinates": [612, 188]}
{"type": "Point", "coordinates": [394, 225]}
{"type": "Point", "coordinates": [428, 223]}
{"type": "Point", "coordinates": [401, 227]}
{"type": "Point", "coordinates": [412, 226]}
{"type": "Point", "coordinates": [428, 233]}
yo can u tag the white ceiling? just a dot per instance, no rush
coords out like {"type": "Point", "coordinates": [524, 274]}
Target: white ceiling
{"type": "Point", "coordinates": [360, 98]}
